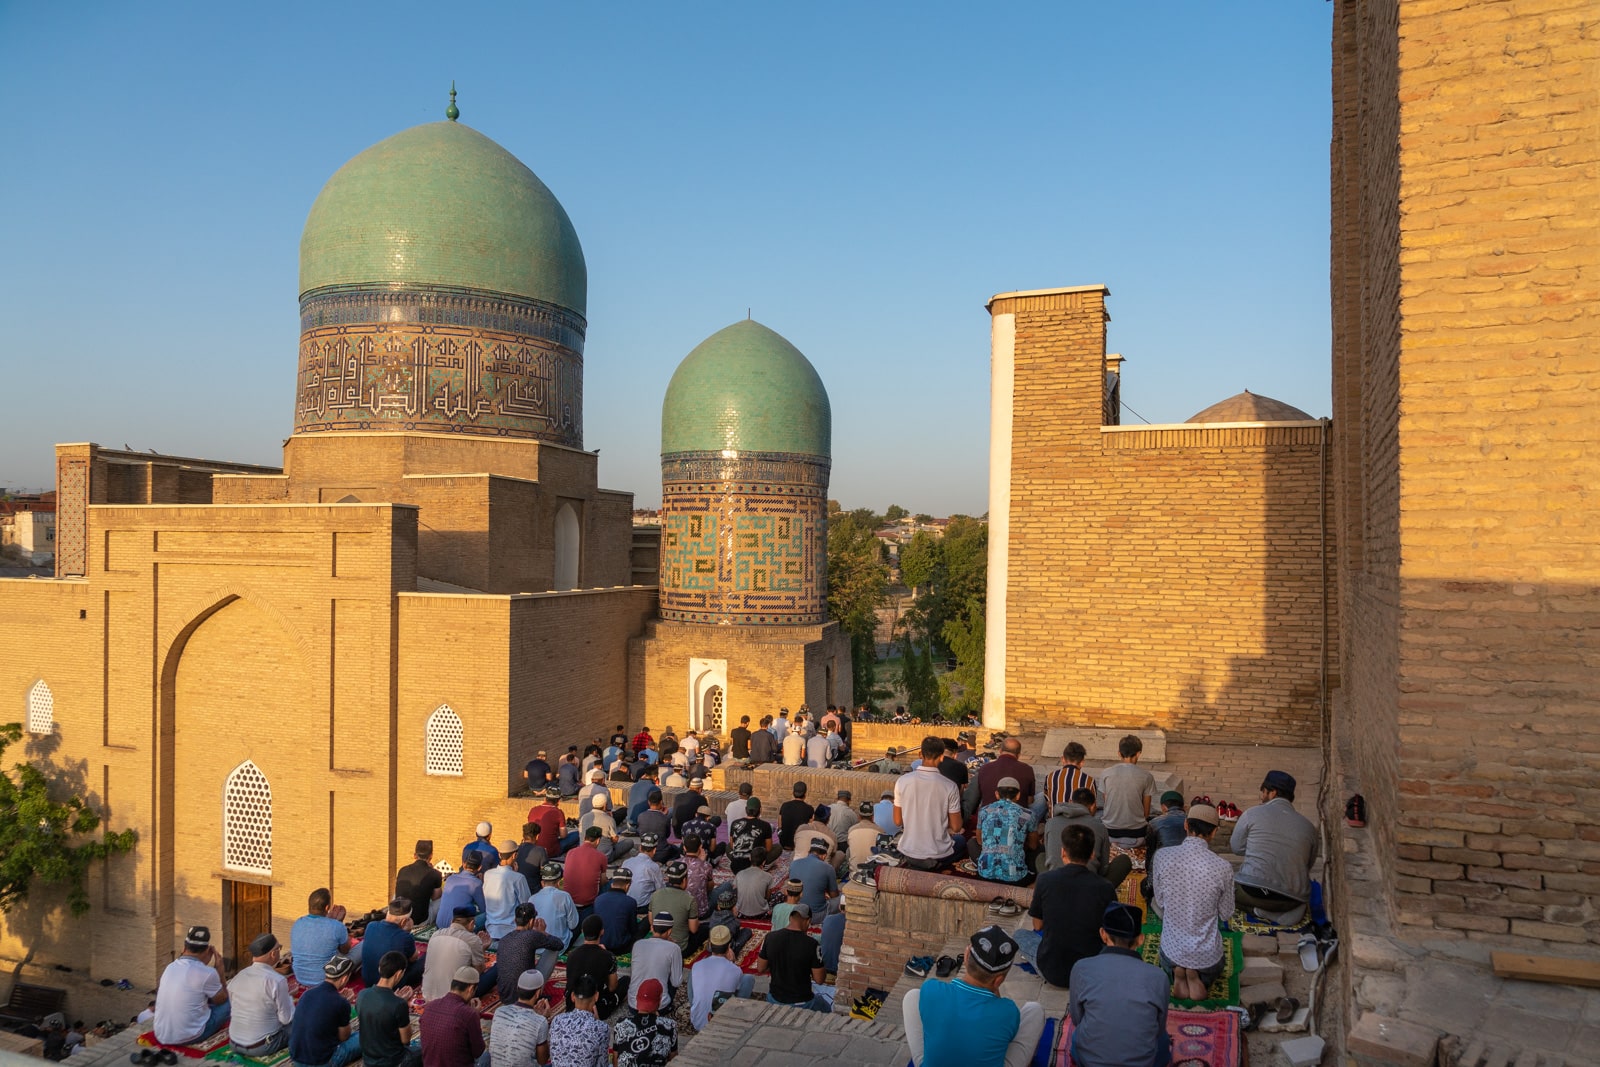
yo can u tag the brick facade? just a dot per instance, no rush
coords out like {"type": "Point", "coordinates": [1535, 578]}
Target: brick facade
{"type": "Point", "coordinates": [1465, 187]}
{"type": "Point", "coordinates": [1168, 576]}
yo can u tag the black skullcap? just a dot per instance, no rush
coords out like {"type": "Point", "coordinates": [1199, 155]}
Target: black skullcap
{"type": "Point", "coordinates": [1122, 920]}
{"type": "Point", "coordinates": [993, 949]}
{"type": "Point", "coordinates": [263, 944]}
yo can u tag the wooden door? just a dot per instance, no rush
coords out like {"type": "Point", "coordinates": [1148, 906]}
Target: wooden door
{"type": "Point", "coordinates": [247, 914]}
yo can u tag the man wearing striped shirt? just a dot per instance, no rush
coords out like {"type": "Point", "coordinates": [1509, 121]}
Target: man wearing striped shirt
{"type": "Point", "coordinates": [1063, 782]}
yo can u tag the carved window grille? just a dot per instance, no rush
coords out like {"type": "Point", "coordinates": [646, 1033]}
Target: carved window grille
{"type": "Point", "coordinates": [444, 868]}
{"type": "Point", "coordinates": [716, 709]}
{"type": "Point", "coordinates": [41, 709]}
{"type": "Point", "coordinates": [444, 747]}
{"type": "Point", "coordinates": [247, 821]}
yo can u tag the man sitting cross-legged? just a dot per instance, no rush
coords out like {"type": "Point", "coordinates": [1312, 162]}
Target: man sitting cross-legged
{"type": "Point", "coordinates": [966, 1022]}
{"type": "Point", "coordinates": [1066, 908]}
{"type": "Point", "coordinates": [320, 1035]}
{"type": "Point", "coordinates": [1119, 1002]}
{"type": "Point", "coordinates": [1193, 894]}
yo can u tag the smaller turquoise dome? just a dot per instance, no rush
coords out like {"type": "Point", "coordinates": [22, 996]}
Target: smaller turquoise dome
{"type": "Point", "coordinates": [746, 389]}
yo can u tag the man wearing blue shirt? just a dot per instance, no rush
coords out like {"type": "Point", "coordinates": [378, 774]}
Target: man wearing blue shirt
{"type": "Point", "coordinates": [391, 934]}
{"type": "Point", "coordinates": [464, 889]}
{"type": "Point", "coordinates": [316, 936]}
{"type": "Point", "coordinates": [883, 813]}
{"type": "Point", "coordinates": [965, 1022]}
{"type": "Point", "coordinates": [1119, 1002]}
{"type": "Point", "coordinates": [488, 855]}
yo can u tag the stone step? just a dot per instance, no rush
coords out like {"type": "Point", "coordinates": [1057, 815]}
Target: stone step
{"type": "Point", "coordinates": [1380, 1041]}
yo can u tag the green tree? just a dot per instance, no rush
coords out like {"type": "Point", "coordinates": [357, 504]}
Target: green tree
{"type": "Point", "coordinates": [895, 513]}
{"type": "Point", "coordinates": [965, 636]}
{"type": "Point", "coordinates": [917, 678]}
{"type": "Point", "coordinates": [920, 559]}
{"type": "Point", "coordinates": [858, 579]}
{"type": "Point", "coordinates": [43, 837]}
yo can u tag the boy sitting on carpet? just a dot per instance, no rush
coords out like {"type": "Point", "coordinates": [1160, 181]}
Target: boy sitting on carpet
{"type": "Point", "coordinates": [1119, 1002]}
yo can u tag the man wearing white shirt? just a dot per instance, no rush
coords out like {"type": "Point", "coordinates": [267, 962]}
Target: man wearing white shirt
{"type": "Point", "coordinates": [927, 807]}
{"type": "Point", "coordinates": [262, 1007]}
{"type": "Point", "coordinates": [780, 725]}
{"type": "Point", "coordinates": [794, 749]}
{"type": "Point", "coordinates": [503, 890]}
{"type": "Point", "coordinates": [191, 1001]}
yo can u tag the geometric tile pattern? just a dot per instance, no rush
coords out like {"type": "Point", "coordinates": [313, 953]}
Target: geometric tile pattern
{"type": "Point", "coordinates": [72, 518]}
{"type": "Point", "coordinates": [41, 709]}
{"type": "Point", "coordinates": [440, 361]}
{"type": "Point", "coordinates": [247, 821]}
{"type": "Point", "coordinates": [444, 742]}
{"type": "Point", "coordinates": [744, 538]}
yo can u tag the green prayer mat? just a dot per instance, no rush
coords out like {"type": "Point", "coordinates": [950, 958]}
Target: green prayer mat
{"type": "Point", "coordinates": [1224, 992]}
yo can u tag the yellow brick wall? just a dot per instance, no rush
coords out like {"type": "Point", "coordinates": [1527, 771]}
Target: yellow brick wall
{"type": "Point", "coordinates": [769, 667]}
{"type": "Point", "coordinates": [1170, 578]}
{"type": "Point", "coordinates": [1467, 179]}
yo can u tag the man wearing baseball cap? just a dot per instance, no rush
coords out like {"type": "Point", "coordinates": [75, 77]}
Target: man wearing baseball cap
{"type": "Point", "coordinates": [1279, 845]}
{"type": "Point", "coordinates": [1119, 1002]}
{"type": "Point", "coordinates": [192, 999]}
{"type": "Point", "coordinates": [1193, 894]}
{"type": "Point", "coordinates": [965, 1021]}
{"type": "Point", "coordinates": [646, 1036]}
{"type": "Point", "coordinates": [1007, 835]}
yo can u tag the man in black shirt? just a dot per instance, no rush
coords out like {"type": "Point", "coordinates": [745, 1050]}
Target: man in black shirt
{"type": "Point", "coordinates": [419, 882]}
{"type": "Point", "coordinates": [951, 766]}
{"type": "Point", "coordinates": [794, 959]}
{"type": "Point", "coordinates": [740, 736]}
{"type": "Point", "coordinates": [687, 803]}
{"type": "Point", "coordinates": [527, 948]}
{"type": "Point", "coordinates": [537, 774]}
{"type": "Point", "coordinates": [793, 815]}
{"type": "Point", "coordinates": [763, 749]}
{"type": "Point", "coordinates": [593, 959]}
{"type": "Point", "coordinates": [1068, 903]}
{"type": "Point", "coordinates": [530, 854]}
{"type": "Point", "coordinates": [750, 838]}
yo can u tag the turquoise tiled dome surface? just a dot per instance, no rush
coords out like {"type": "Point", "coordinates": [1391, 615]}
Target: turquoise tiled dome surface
{"type": "Point", "coordinates": [441, 204]}
{"type": "Point", "coordinates": [747, 389]}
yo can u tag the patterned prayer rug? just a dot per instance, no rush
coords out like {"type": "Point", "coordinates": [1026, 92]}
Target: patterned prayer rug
{"type": "Point", "coordinates": [199, 1050]}
{"type": "Point", "coordinates": [1225, 990]}
{"type": "Point", "coordinates": [1246, 922]}
{"type": "Point", "coordinates": [1199, 1039]}
{"type": "Point", "coordinates": [950, 886]}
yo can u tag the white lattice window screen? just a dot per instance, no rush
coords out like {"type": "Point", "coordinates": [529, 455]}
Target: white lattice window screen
{"type": "Point", "coordinates": [444, 868]}
{"type": "Point", "coordinates": [444, 741]}
{"type": "Point", "coordinates": [247, 821]}
{"type": "Point", "coordinates": [716, 709]}
{"type": "Point", "coordinates": [41, 709]}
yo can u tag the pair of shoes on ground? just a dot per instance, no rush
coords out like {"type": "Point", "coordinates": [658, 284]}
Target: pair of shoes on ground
{"type": "Point", "coordinates": [919, 966]}
{"type": "Point", "coordinates": [1004, 908]}
{"type": "Point", "coordinates": [1227, 809]}
{"type": "Point", "coordinates": [1282, 1010]}
{"type": "Point", "coordinates": [866, 874]}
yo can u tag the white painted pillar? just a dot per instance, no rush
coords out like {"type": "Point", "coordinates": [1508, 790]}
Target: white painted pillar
{"type": "Point", "coordinates": [1002, 385]}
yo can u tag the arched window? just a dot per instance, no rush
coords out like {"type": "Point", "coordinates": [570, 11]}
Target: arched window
{"type": "Point", "coordinates": [444, 741]}
{"type": "Point", "coordinates": [568, 542]}
{"type": "Point", "coordinates": [41, 709]}
{"type": "Point", "coordinates": [247, 821]}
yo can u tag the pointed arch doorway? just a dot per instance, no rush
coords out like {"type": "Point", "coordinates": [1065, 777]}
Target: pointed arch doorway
{"type": "Point", "coordinates": [708, 695]}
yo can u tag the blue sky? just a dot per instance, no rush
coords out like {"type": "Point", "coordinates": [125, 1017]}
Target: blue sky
{"type": "Point", "coordinates": [863, 176]}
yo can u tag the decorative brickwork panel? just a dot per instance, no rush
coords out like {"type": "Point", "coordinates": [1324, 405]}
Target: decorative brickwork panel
{"type": "Point", "coordinates": [247, 821]}
{"type": "Point", "coordinates": [72, 518]}
{"type": "Point", "coordinates": [41, 709]}
{"type": "Point", "coordinates": [744, 538]}
{"type": "Point", "coordinates": [444, 742]}
{"type": "Point", "coordinates": [440, 361]}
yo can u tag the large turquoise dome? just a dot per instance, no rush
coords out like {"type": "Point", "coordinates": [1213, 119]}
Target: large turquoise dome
{"type": "Point", "coordinates": [746, 389]}
{"type": "Point", "coordinates": [443, 205]}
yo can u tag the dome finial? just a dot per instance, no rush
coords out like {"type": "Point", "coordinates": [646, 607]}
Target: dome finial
{"type": "Point", "coordinates": [452, 112]}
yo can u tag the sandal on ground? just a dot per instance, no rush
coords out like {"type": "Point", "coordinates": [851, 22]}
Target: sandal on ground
{"type": "Point", "coordinates": [946, 966]}
{"type": "Point", "coordinates": [1308, 953]}
{"type": "Point", "coordinates": [1005, 908]}
{"type": "Point", "coordinates": [1286, 1008]}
